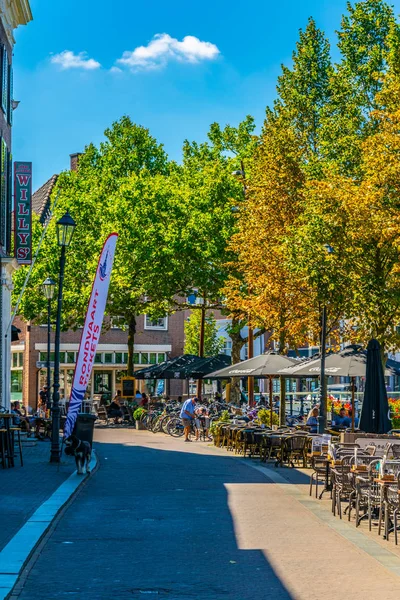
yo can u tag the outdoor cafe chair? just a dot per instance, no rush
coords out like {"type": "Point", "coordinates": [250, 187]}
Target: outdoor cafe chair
{"type": "Point", "coordinates": [363, 462]}
{"type": "Point", "coordinates": [392, 507]}
{"type": "Point", "coordinates": [368, 493]}
{"type": "Point", "coordinates": [341, 486]}
{"type": "Point", "coordinates": [294, 448]}
{"type": "Point", "coordinates": [16, 431]}
{"type": "Point", "coordinates": [320, 470]}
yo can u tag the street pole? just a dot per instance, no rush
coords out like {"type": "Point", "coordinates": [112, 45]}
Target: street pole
{"type": "Point", "coordinates": [250, 380]}
{"type": "Point", "coordinates": [201, 342]}
{"type": "Point", "coordinates": [55, 408]}
{"type": "Point", "coordinates": [323, 407]}
{"type": "Point", "coordinates": [48, 351]}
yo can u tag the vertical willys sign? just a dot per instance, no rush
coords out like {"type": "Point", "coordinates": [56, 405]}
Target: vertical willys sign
{"type": "Point", "coordinates": [23, 212]}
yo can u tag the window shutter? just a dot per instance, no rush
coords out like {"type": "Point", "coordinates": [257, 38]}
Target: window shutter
{"type": "Point", "coordinates": [4, 88]}
{"type": "Point", "coordinates": [9, 204]}
{"type": "Point", "coordinates": [10, 94]}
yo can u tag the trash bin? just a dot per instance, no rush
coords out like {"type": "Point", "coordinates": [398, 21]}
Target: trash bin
{"type": "Point", "coordinates": [84, 427]}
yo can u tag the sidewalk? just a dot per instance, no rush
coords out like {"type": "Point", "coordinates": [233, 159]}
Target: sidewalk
{"type": "Point", "coordinates": [24, 489]}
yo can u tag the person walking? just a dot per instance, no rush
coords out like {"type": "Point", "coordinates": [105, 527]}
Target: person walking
{"type": "Point", "coordinates": [187, 415]}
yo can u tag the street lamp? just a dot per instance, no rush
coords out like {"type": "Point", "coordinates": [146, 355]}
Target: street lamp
{"type": "Point", "coordinates": [48, 287]}
{"type": "Point", "coordinates": [65, 229]}
{"type": "Point", "coordinates": [322, 385]}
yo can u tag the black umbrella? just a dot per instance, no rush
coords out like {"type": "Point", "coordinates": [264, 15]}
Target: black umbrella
{"type": "Point", "coordinates": [202, 368]}
{"type": "Point", "coordinates": [375, 409]}
{"type": "Point", "coordinates": [169, 369]}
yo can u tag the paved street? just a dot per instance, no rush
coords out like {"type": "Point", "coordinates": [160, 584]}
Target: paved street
{"type": "Point", "coordinates": [165, 519]}
{"type": "Point", "coordinates": [24, 489]}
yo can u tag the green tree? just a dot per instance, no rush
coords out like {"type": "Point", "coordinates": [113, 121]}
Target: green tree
{"type": "Point", "coordinates": [213, 343]}
{"type": "Point", "coordinates": [126, 185]}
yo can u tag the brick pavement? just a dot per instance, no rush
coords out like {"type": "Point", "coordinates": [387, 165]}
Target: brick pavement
{"type": "Point", "coordinates": [190, 522]}
{"type": "Point", "coordinates": [24, 489]}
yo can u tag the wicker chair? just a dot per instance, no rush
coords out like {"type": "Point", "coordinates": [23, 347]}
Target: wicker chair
{"type": "Point", "coordinates": [319, 466]}
{"type": "Point", "coordinates": [294, 448]}
{"type": "Point", "coordinates": [341, 485]}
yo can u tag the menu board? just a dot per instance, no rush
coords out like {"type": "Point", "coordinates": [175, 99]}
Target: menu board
{"type": "Point", "coordinates": [128, 387]}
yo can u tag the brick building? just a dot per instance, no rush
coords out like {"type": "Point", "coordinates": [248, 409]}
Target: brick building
{"type": "Point", "coordinates": [154, 342]}
{"type": "Point", "coordinates": [12, 14]}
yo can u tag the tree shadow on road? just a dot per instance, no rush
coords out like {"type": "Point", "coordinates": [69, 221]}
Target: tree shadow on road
{"type": "Point", "coordinates": [156, 522]}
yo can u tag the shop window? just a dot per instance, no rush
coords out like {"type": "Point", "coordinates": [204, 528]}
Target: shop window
{"type": "Point", "coordinates": [118, 375]}
{"type": "Point", "coordinates": [16, 382]}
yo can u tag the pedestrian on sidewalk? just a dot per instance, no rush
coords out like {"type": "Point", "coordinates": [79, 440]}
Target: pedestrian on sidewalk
{"type": "Point", "coordinates": [187, 415]}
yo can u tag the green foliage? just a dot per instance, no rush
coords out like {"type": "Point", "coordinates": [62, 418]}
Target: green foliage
{"type": "Point", "coordinates": [213, 343]}
{"type": "Point", "coordinates": [264, 417]}
{"type": "Point", "coordinates": [138, 413]}
{"type": "Point", "coordinates": [216, 423]}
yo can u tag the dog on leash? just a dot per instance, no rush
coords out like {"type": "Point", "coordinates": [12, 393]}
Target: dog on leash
{"type": "Point", "coordinates": [82, 452]}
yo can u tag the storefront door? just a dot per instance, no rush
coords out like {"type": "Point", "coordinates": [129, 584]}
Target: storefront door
{"type": "Point", "coordinates": [103, 384]}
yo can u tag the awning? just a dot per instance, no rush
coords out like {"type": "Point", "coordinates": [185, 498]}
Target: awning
{"type": "Point", "coordinates": [264, 365]}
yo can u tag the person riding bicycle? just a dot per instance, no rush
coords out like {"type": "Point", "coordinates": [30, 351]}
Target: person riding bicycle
{"type": "Point", "coordinates": [187, 415]}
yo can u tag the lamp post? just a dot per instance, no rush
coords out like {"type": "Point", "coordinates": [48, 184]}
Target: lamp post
{"type": "Point", "coordinates": [48, 287]}
{"type": "Point", "coordinates": [65, 230]}
{"type": "Point", "coordinates": [322, 385]}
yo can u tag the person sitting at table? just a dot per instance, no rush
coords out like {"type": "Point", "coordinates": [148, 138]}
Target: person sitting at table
{"type": "Point", "coordinates": [21, 417]}
{"type": "Point", "coordinates": [312, 421]}
{"type": "Point", "coordinates": [115, 410]}
{"type": "Point", "coordinates": [341, 421]}
{"type": "Point", "coordinates": [350, 414]}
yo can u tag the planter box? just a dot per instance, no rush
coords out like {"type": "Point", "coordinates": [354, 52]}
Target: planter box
{"type": "Point", "coordinates": [140, 426]}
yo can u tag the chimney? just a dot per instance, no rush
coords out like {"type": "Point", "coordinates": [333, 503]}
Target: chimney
{"type": "Point", "coordinates": [74, 161]}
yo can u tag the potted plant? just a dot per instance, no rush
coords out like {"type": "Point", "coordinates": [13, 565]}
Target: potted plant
{"type": "Point", "coordinates": [138, 416]}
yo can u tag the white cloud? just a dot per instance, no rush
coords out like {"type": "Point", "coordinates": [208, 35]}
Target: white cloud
{"type": "Point", "coordinates": [164, 48]}
{"type": "Point", "coordinates": [115, 70]}
{"type": "Point", "coordinates": [69, 60]}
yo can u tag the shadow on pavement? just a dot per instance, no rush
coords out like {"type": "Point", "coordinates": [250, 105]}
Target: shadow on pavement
{"type": "Point", "coordinates": [154, 523]}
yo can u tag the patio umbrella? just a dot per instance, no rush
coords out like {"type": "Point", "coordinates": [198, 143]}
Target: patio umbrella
{"type": "Point", "coordinates": [204, 366]}
{"type": "Point", "coordinates": [349, 362]}
{"type": "Point", "coordinates": [375, 409]}
{"type": "Point", "coordinates": [169, 369]}
{"type": "Point", "coordinates": [265, 365]}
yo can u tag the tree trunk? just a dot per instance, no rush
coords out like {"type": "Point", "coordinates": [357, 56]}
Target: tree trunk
{"type": "Point", "coordinates": [282, 402]}
{"type": "Point", "coordinates": [131, 344]}
{"type": "Point", "coordinates": [237, 345]}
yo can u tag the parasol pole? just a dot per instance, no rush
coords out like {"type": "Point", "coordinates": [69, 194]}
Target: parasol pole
{"type": "Point", "coordinates": [270, 400]}
{"type": "Point", "coordinates": [352, 404]}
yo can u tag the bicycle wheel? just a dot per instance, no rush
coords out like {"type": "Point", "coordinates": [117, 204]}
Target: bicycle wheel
{"type": "Point", "coordinates": [175, 427]}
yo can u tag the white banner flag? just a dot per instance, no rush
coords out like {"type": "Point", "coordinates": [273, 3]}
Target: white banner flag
{"type": "Point", "coordinates": [91, 331]}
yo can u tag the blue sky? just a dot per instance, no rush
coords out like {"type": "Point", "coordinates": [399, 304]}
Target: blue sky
{"type": "Point", "coordinates": [176, 86]}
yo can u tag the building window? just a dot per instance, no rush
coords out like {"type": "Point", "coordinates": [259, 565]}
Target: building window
{"type": "Point", "coordinates": [15, 359]}
{"type": "Point", "coordinates": [161, 323]}
{"type": "Point", "coordinates": [108, 357]}
{"type": "Point", "coordinates": [98, 359]}
{"type": "Point", "coordinates": [153, 358]}
{"type": "Point", "coordinates": [70, 357]}
{"type": "Point", "coordinates": [119, 358]}
{"type": "Point", "coordinates": [144, 358]}
{"type": "Point", "coordinates": [227, 349]}
{"type": "Point", "coordinates": [136, 358]}
{"type": "Point", "coordinates": [160, 357]}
